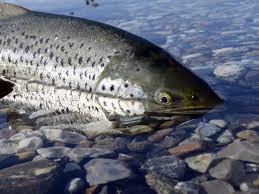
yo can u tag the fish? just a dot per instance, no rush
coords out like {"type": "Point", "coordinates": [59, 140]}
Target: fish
{"type": "Point", "coordinates": [101, 72]}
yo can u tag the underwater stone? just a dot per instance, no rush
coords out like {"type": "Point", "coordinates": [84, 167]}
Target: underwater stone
{"type": "Point", "coordinates": [229, 71]}
{"type": "Point", "coordinates": [217, 186]}
{"type": "Point", "coordinates": [74, 186]}
{"type": "Point", "coordinates": [206, 130]}
{"type": "Point", "coordinates": [219, 123]}
{"type": "Point", "coordinates": [53, 152]}
{"type": "Point", "coordinates": [7, 147]}
{"type": "Point", "coordinates": [226, 137]}
{"type": "Point", "coordinates": [30, 144]}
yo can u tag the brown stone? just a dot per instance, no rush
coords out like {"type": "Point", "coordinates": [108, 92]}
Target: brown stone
{"type": "Point", "coordinates": [160, 135]}
{"type": "Point", "coordinates": [249, 135]}
{"type": "Point", "coordinates": [186, 148]}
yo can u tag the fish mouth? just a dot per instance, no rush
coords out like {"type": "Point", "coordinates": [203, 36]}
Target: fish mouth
{"type": "Point", "coordinates": [190, 111]}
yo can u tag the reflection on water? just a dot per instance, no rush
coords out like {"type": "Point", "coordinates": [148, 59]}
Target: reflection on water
{"type": "Point", "coordinates": [218, 40]}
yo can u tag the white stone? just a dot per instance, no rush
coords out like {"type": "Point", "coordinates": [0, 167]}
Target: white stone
{"type": "Point", "coordinates": [219, 123]}
{"type": "Point", "coordinates": [30, 144]}
{"type": "Point", "coordinates": [228, 71]}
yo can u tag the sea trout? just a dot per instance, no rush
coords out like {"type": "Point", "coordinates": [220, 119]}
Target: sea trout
{"type": "Point", "coordinates": [57, 62]}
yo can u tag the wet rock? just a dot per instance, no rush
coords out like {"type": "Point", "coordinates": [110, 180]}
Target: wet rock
{"type": "Point", "coordinates": [229, 170]}
{"type": "Point", "coordinates": [140, 146]}
{"type": "Point", "coordinates": [117, 144]}
{"type": "Point", "coordinates": [7, 160]}
{"type": "Point", "coordinates": [249, 135]}
{"type": "Point", "coordinates": [160, 135]}
{"type": "Point", "coordinates": [242, 150]}
{"type": "Point", "coordinates": [250, 167]}
{"type": "Point", "coordinates": [72, 170]}
{"type": "Point", "coordinates": [25, 156]}
{"type": "Point", "coordinates": [229, 71]}
{"type": "Point", "coordinates": [136, 129]}
{"type": "Point", "coordinates": [253, 125]}
{"type": "Point", "coordinates": [102, 171]}
{"type": "Point", "coordinates": [200, 162]}
{"type": "Point", "coordinates": [85, 144]}
{"type": "Point", "coordinates": [169, 166]}
{"type": "Point", "coordinates": [37, 177]}
{"type": "Point", "coordinates": [30, 144]}
{"type": "Point", "coordinates": [226, 137]}
{"type": "Point", "coordinates": [63, 136]}
{"type": "Point", "coordinates": [207, 130]}
{"type": "Point", "coordinates": [188, 188]}
{"type": "Point", "coordinates": [26, 133]}
{"type": "Point", "coordinates": [7, 147]}
{"type": "Point", "coordinates": [219, 123]}
{"type": "Point", "coordinates": [78, 155]}
{"type": "Point", "coordinates": [161, 184]}
{"type": "Point", "coordinates": [74, 186]}
{"type": "Point", "coordinates": [170, 142]}
{"type": "Point", "coordinates": [6, 133]}
{"type": "Point", "coordinates": [217, 186]}
{"type": "Point", "coordinates": [53, 152]}
{"type": "Point", "coordinates": [187, 148]}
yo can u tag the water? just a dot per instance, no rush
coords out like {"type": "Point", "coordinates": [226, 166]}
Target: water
{"type": "Point", "coordinates": [218, 40]}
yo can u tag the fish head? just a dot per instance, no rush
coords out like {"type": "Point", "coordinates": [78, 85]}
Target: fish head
{"type": "Point", "coordinates": [170, 88]}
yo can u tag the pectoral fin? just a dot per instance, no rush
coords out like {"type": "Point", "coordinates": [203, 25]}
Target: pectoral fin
{"type": "Point", "coordinates": [6, 87]}
{"type": "Point", "coordinates": [8, 10]}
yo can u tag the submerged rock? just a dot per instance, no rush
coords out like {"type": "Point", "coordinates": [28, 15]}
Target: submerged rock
{"type": "Point", "coordinates": [242, 150]}
{"type": "Point", "coordinates": [187, 148]}
{"type": "Point", "coordinates": [229, 71]}
{"type": "Point", "coordinates": [7, 147]}
{"type": "Point", "coordinates": [188, 188]}
{"type": "Point", "coordinates": [7, 160]}
{"type": "Point", "coordinates": [30, 144]}
{"type": "Point", "coordinates": [207, 130]}
{"type": "Point", "coordinates": [53, 152]}
{"type": "Point", "coordinates": [169, 166]}
{"type": "Point", "coordinates": [74, 186]}
{"type": "Point", "coordinates": [226, 137]}
{"type": "Point", "coordinates": [219, 123]}
{"type": "Point", "coordinates": [37, 177]}
{"type": "Point", "coordinates": [200, 162]}
{"type": "Point", "coordinates": [217, 187]}
{"type": "Point", "coordinates": [102, 171]}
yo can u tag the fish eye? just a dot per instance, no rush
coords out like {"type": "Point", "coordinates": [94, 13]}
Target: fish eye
{"type": "Point", "coordinates": [193, 97]}
{"type": "Point", "coordinates": [163, 98]}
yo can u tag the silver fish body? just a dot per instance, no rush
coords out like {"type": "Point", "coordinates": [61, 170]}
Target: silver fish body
{"type": "Point", "coordinates": [67, 63]}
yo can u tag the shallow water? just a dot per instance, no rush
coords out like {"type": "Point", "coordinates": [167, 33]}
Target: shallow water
{"type": "Point", "coordinates": [218, 40]}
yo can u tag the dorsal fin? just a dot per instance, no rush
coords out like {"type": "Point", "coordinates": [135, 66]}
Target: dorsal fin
{"type": "Point", "coordinates": [8, 10]}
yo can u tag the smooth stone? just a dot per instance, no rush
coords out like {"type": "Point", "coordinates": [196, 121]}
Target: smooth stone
{"type": "Point", "coordinates": [136, 129]}
{"type": "Point", "coordinates": [217, 186]}
{"type": "Point", "coordinates": [25, 156]}
{"type": "Point", "coordinates": [249, 135]}
{"type": "Point", "coordinates": [160, 135]}
{"type": "Point", "coordinates": [53, 152]}
{"type": "Point", "coordinates": [242, 150]}
{"type": "Point", "coordinates": [30, 144]}
{"type": "Point", "coordinates": [188, 188]}
{"type": "Point", "coordinates": [7, 147]}
{"type": "Point", "coordinates": [226, 137]}
{"type": "Point", "coordinates": [200, 162]}
{"type": "Point", "coordinates": [229, 170]}
{"type": "Point", "coordinates": [38, 157]}
{"type": "Point", "coordinates": [37, 177]}
{"type": "Point", "coordinates": [253, 125]}
{"type": "Point", "coordinates": [102, 171]}
{"type": "Point", "coordinates": [24, 127]}
{"type": "Point", "coordinates": [117, 144]}
{"type": "Point", "coordinates": [85, 144]}
{"type": "Point", "coordinates": [207, 130]}
{"type": "Point", "coordinates": [229, 71]}
{"type": "Point", "coordinates": [7, 160]}
{"type": "Point", "coordinates": [78, 155]}
{"type": "Point", "coordinates": [63, 136]}
{"type": "Point", "coordinates": [26, 133]}
{"type": "Point", "coordinates": [186, 148]}
{"type": "Point", "coordinates": [40, 113]}
{"type": "Point", "coordinates": [170, 142]}
{"type": "Point", "coordinates": [219, 123]}
{"type": "Point", "coordinates": [72, 170]}
{"type": "Point", "coordinates": [140, 146]}
{"type": "Point", "coordinates": [74, 186]}
{"type": "Point", "coordinates": [169, 166]}
{"type": "Point", "coordinates": [160, 184]}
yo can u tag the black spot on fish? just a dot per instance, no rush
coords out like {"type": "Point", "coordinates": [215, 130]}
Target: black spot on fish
{"type": "Point", "coordinates": [8, 41]}
{"type": "Point", "coordinates": [88, 59]}
{"type": "Point", "coordinates": [103, 87]}
{"type": "Point", "coordinates": [41, 76]}
{"type": "Point", "coordinates": [81, 45]}
{"type": "Point", "coordinates": [80, 60]}
{"type": "Point", "coordinates": [102, 65]}
{"type": "Point", "coordinates": [126, 85]}
{"type": "Point", "coordinates": [112, 88]}
{"type": "Point", "coordinates": [27, 48]}
{"type": "Point", "coordinates": [47, 40]}
{"type": "Point", "coordinates": [138, 69]}
{"type": "Point", "coordinates": [23, 33]}
{"type": "Point", "coordinates": [93, 78]}
{"type": "Point", "coordinates": [51, 55]}
{"type": "Point", "coordinates": [69, 61]}
{"type": "Point", "coordinates": [41, 40]}
{"type": "Point", "coordinates": [93, 64]}
{"type": "Point", "coordinates": [57, 59]}
{"type": "Point", "coordinates": [53, 81]}
{"type": "Point", "coordinates": [39, 51]}
{"type": "Point", "coordinates": [71, 45]}
{"type": "Point", "coordinates": [70, 85]}
{"type": "Point", "coordinates": [89, 48]}
{"type": "Point", "coordinates": [21, 45]}
{"type": "Point", "coordinates": [62, 48]}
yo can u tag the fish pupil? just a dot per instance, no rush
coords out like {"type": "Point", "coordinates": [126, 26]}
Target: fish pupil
{"type": "Point", "coordinates": [164, 100]}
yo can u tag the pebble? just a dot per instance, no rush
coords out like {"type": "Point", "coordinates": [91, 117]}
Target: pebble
{"type": "Point", "coordinates": [63, 136]}
{"type": "Point", "coordinates": [53, 152]}
{"type": "Point", "coordinates": [78, 155]}
{"type": "Point", "coordinates": [242, 150]}
{"type": "Point", "coordinates": [229, 71]}
{"type": "Point", "coordinates": [140, 146]}
{"type": "Point", "coordinates": [217, 187]}
{"type": "Point", "coordinates": [74, 186]}
{"type": "Point", "coordinates": [30, 144]}
{"type": "Point", "coordinates": [249, 135]}
{"type": "Point", "coordinates": [7, 147]}
{"type": "Point", "coordinates": [186, 148]}
{"type": "Point", "coordinates": [188, 188]}
{"type": "Point", "coordinates": [219, 123]}
{"type": "Point", "coordinates": [102, 171]}
{"type": "Point", "coordinates": [200, 162]}
{"type": "Point", "coordinates": [136, 129]}
{"type": "Point", "coordinates": [253, 125]}
{"type": "Point", "coordinates": [160, 184]}
{"type": "Point", "coordinates": [72, 170]}
{"type": "Point", "coordinates": [226, 137]}
{"type": "Point", "coordinates": [37, 177]}
{"type": "Point", "coordinates": [229, 170]}
{"type": "Point", "coordinates": [169, 166]}
{"type": "Point", "coordinates": [207, 130]}
{"type": "Point", "coordinates": [25, 156]}
{"type": "Point", "coordinates": [25, 133]}
{"type": "Point", "coordinates": [160, 135]}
